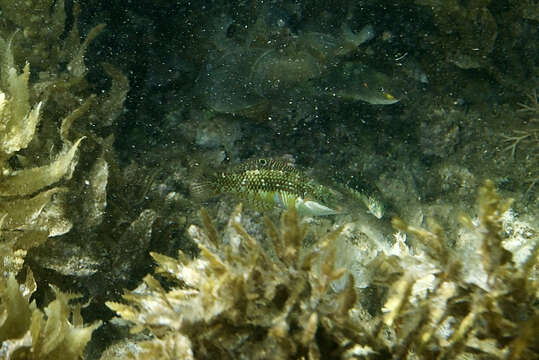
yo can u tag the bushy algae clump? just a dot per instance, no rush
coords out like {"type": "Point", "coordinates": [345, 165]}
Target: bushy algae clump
{"type": "Point", "coordinates": [480, 301]}
{"type": "Point", "coordinates": [240, 301]}
{"type": "Point", "coordinates": [527, 136]}
{"type": "Point", "coordinates": [29, 214]}
{"type": "Point", "coordinates": [244, 300]}
{"type": "Point", "coordinates": [27, 219]}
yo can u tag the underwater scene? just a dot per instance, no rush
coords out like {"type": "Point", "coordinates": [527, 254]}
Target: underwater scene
{"type": "Point", "coordinates": [269, 179]}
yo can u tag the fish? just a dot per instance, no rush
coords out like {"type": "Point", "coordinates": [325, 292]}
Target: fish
{"type": "Point", "coordinates": [359, 82]}
{"type": "Point", "coordinates": [267, 183]}
{"type": "Point", "coordinates": [374, 205]}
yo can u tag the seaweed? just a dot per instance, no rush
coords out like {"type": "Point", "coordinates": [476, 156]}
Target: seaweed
{"type": "Point", "coordinates": [476, 304]}
{"type": "Point", "coordinates": [25, 192]}
{"type": "Point", "coordinates": [27, 332]}
{"type": "Point", "coordinates": [238, 300]}
{"type": "Point", "coordinates": [42, 92]}
{"type": "Point", "coordinates": [527, 135]}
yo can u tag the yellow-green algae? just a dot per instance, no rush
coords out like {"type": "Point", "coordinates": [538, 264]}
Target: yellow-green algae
{"type": "Point", "coordinates": [240, 301]}
{"type": "Point", "coordinates": [40, 143]}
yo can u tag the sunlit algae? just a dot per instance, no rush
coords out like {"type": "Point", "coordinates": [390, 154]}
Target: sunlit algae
{"type": "Point", "coordinates": [26, 332]}
{"type": "Point", "coordinates": [240, 301]}
{"type": "Point", "coordinates": [38, 154]}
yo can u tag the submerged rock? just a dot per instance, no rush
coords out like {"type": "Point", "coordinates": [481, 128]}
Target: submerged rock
{"type": "Point", "coordinates": [439, 133]}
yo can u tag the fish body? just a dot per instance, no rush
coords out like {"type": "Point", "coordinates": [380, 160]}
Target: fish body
{"type": "Point", "coordinates": [374, 206]}
{"type": "Point", "coordinates": [358, 82]}
{"type": "Point", "coordinates": [268, 183]}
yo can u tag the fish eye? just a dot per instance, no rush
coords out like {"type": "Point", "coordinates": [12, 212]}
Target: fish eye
{"type": "Point", "coordinates": [262, 161]}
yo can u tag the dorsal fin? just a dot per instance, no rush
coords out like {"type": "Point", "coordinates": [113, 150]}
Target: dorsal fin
{"type": "Point", "coordinates": [267, 164]}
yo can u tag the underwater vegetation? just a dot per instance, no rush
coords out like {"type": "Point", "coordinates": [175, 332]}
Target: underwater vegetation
{"type": "Point", "coordinates": [528, 136]}
{"type": "Point", "coordinates": [89, 201]}
{"type": "Point", "coordinates": [531, 133]}
{"type": "Point", "coordinates": [241, 299]}
{"type": "Point", "coordinates": [49, 120]}
{"type": "Point", "coordinates": [27, 332]}
{"type": "Point", "coordinates": [31, 211]}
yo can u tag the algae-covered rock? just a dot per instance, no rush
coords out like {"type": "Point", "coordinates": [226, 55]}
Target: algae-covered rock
{"type": "Point", "coordinates": [439, 133]}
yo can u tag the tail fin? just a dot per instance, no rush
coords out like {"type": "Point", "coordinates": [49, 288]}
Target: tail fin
{"type": "Point", "coordinates": [202, 190]}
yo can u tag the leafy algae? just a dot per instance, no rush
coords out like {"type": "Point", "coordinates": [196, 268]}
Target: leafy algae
{"type": "Point", "coordinates": [40, 145]}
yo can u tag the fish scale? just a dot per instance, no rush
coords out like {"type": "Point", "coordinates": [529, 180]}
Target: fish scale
{"type": "Point", "coordinates": [263, 188]}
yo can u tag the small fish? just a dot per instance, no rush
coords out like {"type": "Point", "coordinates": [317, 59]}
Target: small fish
{"type": "Point", "coordinates": [374, 206]}
{"type": "Point", "coordinates": [268, 183]}
{"type": "Point", "coordinates": [356, 81]}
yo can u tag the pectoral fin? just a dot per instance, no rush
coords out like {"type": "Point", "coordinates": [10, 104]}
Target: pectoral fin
{"type": "Point", "coordinates": [312, 208]}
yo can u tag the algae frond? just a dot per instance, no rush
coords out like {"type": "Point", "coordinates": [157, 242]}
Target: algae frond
{"type": "Point", "coordinates": [40, 146]}
{"type": "Point", "coordinates": [238, 300]}
{"type": "Point", "coordinates": [27, 332]}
